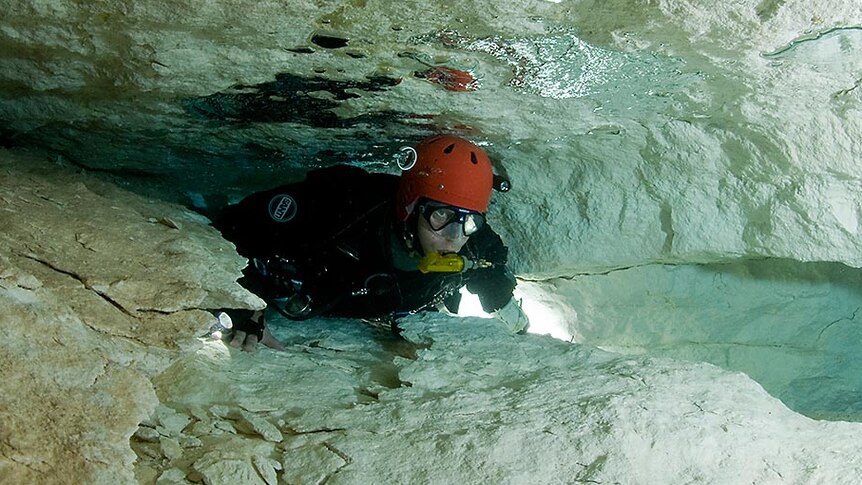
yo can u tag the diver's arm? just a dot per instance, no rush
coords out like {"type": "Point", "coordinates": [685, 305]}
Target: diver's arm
{"type": "Point", "coordinates": [513, 317]}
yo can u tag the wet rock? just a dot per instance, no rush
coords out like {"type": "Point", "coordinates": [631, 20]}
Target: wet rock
{"type": "Point", "coordinates": [187, 441]}
{"type": "Point", "coordinates": [232, 461]}
{"type": "Point", "coordinates": [198, 412]}
{"type": "Point", "coordinates": [148, 434]}
{"type": "Point", "coordinates": [203, 428]}
{"type": "Point", "coordinates": [170, 448]}
{"type": "Point", "coordinates": [172, 476]}
{"type": "Point", "coordinates": [223, 412]}
{"type": "Point", "coordinates": [171, 421]}
{"type": "Point", "coordinates": [216, 469]}
{"type": "Point", "coordinates": [150, 450]}
{"type": "Point", "coordinates": [310, 464]}
{"type": "Point", "coordinates": [224, 427]}
{"type": "Point", "coordinates": [95, 300]}
{"type": "Point", "coordinates": [267, 468]}
{"type": "Point", "coordinates": [251, 423]}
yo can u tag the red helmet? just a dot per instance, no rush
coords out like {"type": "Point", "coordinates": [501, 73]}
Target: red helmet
{"type": "Point", "coordinates": [450, 170]}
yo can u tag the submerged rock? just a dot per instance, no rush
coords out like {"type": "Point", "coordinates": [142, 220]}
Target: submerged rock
{"type": "Point", "coordinates": [676, 131]}
{"type": "Point", "coordinates": [477, 404]}
{"type": "Point", "coordinates": [94, 301]}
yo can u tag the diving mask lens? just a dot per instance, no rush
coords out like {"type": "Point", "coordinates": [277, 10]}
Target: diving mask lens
{"type": "Point", "coordinates": [472, 223]}
{"type": "Point", "coordinates": [440, 217]}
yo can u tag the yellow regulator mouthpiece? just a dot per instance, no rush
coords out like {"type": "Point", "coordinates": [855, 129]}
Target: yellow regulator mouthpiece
{"type": "Point", "coordinates": [441, 263]}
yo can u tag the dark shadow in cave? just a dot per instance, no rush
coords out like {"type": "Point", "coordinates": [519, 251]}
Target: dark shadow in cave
{"type": "Point", "coordinates": [290, 98]}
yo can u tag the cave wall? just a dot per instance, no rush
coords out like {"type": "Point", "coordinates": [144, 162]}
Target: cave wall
{"type": "Point", "coordinates": [640, 137]}
{"type": "Point", "coordinates": [663, 125]}
{"type": "Point", "coordinates": [100, 291]}
{"type": "Point", "coordinates": [793, 327]}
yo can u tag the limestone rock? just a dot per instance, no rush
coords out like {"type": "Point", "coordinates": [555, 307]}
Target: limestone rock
{"type": "Point", "coordinates": [233, 461]}
{"type": "Point", "coordinates": [94, 300]}
{"type": "Point", "coordinates": [310, 464]}
{"type": "Point", "coordinates": [790, 326]}
{"type": "Point", "coordinates": [699, 132]}
{"type": "Point", "coordinates": [727, 152]}
{"type": "Point", "coordinates": [171, 477]}
{"type": "Point", "coordinates": [171, 421]}
{"type": "Point", "coordinates": [267, 468]}
{"type": "Point", "coordinates": [145, 433]}
{"type": "Point", "coordinates": [187, 441]}
{"type": "Point", "coordinates": [478, 404]}
{"type": "Point", "coordinates": [171, 448]}
{"type": "Point", "coordinates": [251, 423]}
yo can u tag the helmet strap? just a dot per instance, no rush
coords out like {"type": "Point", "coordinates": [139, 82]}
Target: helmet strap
{"type": "Point", "coordinates": [409, 234]}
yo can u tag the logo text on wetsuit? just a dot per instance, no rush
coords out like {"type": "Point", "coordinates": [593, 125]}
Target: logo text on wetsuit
{"type": "Point", "coordinates": [282, 208]}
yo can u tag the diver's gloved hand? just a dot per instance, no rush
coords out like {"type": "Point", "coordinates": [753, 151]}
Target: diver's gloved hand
{"type": "Point", "coordinates": [513, 317]}
{"type": "Point", "coordinates": [249, 333]}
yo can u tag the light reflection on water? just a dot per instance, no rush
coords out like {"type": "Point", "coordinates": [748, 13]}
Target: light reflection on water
{"type": "Point", "coordinates": [560, 65]}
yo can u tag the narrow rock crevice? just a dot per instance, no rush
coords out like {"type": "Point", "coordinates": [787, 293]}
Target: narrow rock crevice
{"type": "Point", "coordinates": [81, 279]}
{"type": "Point", "coordinates": [344, 456]}
{"type": "Point", "coordinates": [830, 324]}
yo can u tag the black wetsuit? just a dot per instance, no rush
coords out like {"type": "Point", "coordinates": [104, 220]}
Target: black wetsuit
{"type": "Point", "coordinates": [333, 238]}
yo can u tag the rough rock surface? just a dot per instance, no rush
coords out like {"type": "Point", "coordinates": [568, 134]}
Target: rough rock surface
{"type": "Point", "coordinates": [667, 131]}
{"type": "Point", "coordinates": [465, 402]}
{"type": "Point", "coordinates": [793, 327]}
{"type": "Point", "coordinates": [637, 134]}
{"type": "Point", "coordinates": [97, 295]}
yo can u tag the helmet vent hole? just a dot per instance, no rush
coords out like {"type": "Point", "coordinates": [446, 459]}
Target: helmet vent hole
{"type": "Point", "coordinates": [473, 158]}
{"type": "Point", "coordinates": [449, 149]}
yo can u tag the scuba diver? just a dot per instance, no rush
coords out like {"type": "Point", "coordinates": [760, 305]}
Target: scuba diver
{"type": "Point", "coordinates": [348, 243]}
